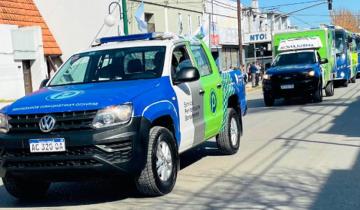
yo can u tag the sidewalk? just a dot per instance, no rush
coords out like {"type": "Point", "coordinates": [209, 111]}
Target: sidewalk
{"type": "Point", "coordinates": [249, 87]}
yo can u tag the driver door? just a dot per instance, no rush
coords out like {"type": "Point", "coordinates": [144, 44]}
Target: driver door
{"type": "Point", "coordinates": [190, 101]}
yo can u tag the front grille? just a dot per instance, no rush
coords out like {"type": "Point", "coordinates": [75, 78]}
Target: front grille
{"type": "Point", "coordinates": [290, 77]}
{"type": "Point", "coordinates": [64, 121]}
{"type": "Point", "coordinates": [75, 156]}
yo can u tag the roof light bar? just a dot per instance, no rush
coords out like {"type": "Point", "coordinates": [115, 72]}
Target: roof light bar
{"type": "Point", "coordinates": [135, 37]}
{"type": "Point", "coordinates": [132, 37]}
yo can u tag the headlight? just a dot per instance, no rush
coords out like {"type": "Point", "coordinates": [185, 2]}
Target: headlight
{"type": "Point", "coordinates": [311, 73]}
{"type": "Point", "coordinates": [113, 115]}
{"type": "Point", "coordinates": [4, 123]}
{"type": "Point", "coordinates": [267, 76]}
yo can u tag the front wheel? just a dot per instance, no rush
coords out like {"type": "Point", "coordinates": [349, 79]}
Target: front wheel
{"type": "Point", "coordinates": [25, 189]}
{"type": "Point", "coordinates": [329, 90]}
{"type": "Point", "coordinates": [162, 164]}
{"type": "Point", "coordinates": [318, 94]}
{"type": "Point", "coordinates": [268, 99]}
{"type": "Point", "coordinates": [353, 80]}
{"type": "Point", "coordinates": [228, 140]}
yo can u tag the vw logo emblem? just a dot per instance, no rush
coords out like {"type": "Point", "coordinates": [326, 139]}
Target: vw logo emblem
{"type": "Point", "coordinates": [47, 123]}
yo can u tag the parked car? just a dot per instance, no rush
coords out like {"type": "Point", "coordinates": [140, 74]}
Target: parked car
{"type": "Point", "coordinates": [129, 106]}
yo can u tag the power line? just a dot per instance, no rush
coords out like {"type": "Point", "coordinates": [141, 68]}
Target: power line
{"type": "Point", "coordinates": [293, 4]}
{"type": "Point", "coordinates": [323, 15]}
{"type": "Point", "coordinates": [303, 21]}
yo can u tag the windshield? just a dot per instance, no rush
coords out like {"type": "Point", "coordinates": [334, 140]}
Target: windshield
{"type": "Point", "coordinates": [112, 65]}
{"type": "Point", "coordinates": [340, 42]}
{"type": "Point", "coordinates": [295, 58]}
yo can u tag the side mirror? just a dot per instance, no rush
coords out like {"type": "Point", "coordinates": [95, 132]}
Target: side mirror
{"type": "Point", "coordinates": [187, 74]}
{"type": "Point", "coordinates": [43, 83]}
{"type": "Point", "coordinates": [324, 61]}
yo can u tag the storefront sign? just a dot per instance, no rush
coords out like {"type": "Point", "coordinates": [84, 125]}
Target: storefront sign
{"type": "Point", "coordinates": [228, 36]}
{"type": "Point", "coordinates": [257, 37]}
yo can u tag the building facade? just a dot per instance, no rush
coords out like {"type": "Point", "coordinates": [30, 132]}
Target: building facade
{"type": "Point", "coordinates": [76, 25]}
{"type": "Point", "coordinates": [258, 29]}
{"type": "Point", "coordinates": [28, 51]}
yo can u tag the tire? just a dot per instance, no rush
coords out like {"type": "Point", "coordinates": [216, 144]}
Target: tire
{"type": "Point", "coordinates": [353, 80]}
{"type": "Point", "coordinates": [329, 90]}
{"type": "Point", "coordinates": [228, 141]}
{"type": "Point", "coordinates": [151, 182]}
{"type": "Point", "coordinates": [269, 99]}
{"type": "Point", "coordinates": [25, 189]}
{"type": "Point", "coordinates": [318, 94]}
{"type": "Point", "coordinates": [346, 83]}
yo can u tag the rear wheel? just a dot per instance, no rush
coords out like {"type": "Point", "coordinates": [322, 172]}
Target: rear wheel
{"type": "Point", "coordinates": [162, 164]}
{"type": "Point", "coordinates": [268, 99]}
{"type": "Point", "coordinates": [329, 90]}
{"type": "Point", "coordinates": [25, 189]}
{"type": "Point", "coordinates": [346, 83]}
{"type": "Point", "coordinates": [228, 140]}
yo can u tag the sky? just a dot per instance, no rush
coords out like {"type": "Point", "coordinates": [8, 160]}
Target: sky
{"type": "Point", "coordinates": [310, 17]}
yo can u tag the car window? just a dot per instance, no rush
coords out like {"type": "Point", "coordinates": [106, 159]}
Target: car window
{"type": "Point", "coordinates": [180, 59]}
{"type": "Point", "coordinates": [202, 60]}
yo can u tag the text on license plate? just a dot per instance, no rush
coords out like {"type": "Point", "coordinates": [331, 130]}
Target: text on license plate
{"type": "Point", "coordinates": [284, 87]}
{"type": "Point", "coordinates": [47, 145]}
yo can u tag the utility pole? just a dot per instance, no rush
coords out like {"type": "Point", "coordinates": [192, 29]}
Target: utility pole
{"type": "Point", "coordinates": [125, 17]}
{"type": "Point", "coordinates": [239, 12]}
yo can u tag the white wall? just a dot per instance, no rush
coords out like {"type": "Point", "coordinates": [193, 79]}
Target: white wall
{"type": "Point", "coordinates": [38, 65]}
{"type": "Point", "coordinates": [11, 73]}
{"type": "Point", "coordinates": [75, 23]}
{"type": "Point", "coordinates": [19, 44]}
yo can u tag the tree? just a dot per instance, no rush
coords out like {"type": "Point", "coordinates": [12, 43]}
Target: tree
{"type": "Point", "coordinates": [346, 19]}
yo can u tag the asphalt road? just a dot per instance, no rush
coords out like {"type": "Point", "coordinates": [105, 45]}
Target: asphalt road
{"type": "Point", "coordinates": [292, 156]}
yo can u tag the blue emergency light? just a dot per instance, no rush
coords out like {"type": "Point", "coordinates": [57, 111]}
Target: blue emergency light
{"type": "Point", "coordinates": [132, 37]}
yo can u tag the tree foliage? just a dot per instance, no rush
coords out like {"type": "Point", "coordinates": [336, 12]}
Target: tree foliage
{"type": "Point", "coordinates": [346, 19]}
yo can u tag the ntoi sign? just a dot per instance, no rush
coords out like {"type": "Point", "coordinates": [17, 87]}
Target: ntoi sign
{"type": "Point", "coordinates": [257, 38]}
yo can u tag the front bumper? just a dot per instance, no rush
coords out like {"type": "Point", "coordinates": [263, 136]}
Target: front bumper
{"type": "Point", "coordinates": [89, 153]}
{"type": "Point", "coordinates": [302, 87]}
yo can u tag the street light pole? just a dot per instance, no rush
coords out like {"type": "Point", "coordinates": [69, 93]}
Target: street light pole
{"type": "Point", "coordinates": [125, 18]}
{"type": "Point", "coordinates": [239, 11]}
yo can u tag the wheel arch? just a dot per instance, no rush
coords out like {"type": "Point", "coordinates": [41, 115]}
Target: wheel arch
{"type": "Point", "coordinates": [234, 102]}
{"type": "Point", "coordinates": [168, 122]}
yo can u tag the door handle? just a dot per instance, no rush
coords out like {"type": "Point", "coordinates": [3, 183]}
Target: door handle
{"type": "Point", "coordinates": [201, 92]}
{"type": "Point", "coordinates": [219, 86]}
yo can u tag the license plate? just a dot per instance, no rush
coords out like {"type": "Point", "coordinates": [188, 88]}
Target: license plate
{"type": "Point", "coordinates": [286, 87]}
{"type": "Point", "coordinates": [47, 145]}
